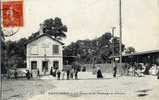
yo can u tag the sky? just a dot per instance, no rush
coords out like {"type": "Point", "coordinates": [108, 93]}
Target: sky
{"type": "Point", "coordinates": [89, 19]}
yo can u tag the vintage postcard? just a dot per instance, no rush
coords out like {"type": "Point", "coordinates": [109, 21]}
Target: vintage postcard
{"type": "Point", "coordinates": [79, 49]}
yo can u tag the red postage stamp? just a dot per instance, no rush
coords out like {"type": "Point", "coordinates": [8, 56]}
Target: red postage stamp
{"type": "Point", "coordinates": [12, 13]}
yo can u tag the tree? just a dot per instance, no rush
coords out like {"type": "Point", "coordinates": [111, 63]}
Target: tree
{"type": "Point", "coordinates": [15, 53]}
{"type": "Point", "coordinates": [2, 48]}
{"type": "Point", "coordinates": [103, 51]}
{"type": "Point", "coordinates": [130, 50]}
{"type": "Point", "coordinates": [97, 50]}
{"type": "Point", "coordinates": [55, 28]}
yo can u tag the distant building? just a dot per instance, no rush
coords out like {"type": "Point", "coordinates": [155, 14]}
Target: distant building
{"type": "Point", "coordinates": [44, 52]}
{"type": "Point", "coordinates": [150, 57]}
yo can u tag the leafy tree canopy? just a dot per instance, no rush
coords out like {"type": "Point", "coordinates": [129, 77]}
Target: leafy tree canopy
{"type": "Point", "coordinates": [99, 49]}
{"type": "Point", "coordinates": [130, 50]}
{"type": "Point", "coordinates": [55, 27]}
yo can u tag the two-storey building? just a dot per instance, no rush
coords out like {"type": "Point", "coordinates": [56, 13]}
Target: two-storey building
{"type": "Point", "coordinates": [44, 52]}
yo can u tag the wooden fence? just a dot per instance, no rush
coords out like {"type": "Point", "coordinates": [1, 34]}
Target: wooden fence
{"type": "Point", "coordinates": [106, 68]}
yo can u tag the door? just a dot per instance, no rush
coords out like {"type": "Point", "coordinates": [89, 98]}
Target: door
{"type": "Point", "coordinates": [56, 64]}
{"type": "Point", "coordinates": [34, 68]}
{"type": "Point", "coordinates": [44, 67]}
{"type": "Point", "coordinates": [33, 65]}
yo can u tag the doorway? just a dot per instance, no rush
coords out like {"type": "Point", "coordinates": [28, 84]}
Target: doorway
{"type": "Point", "coordinates": [44, 66]}
{"type": "Point", "coordinates": [56, 64]}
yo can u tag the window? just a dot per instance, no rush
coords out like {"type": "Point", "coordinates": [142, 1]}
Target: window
{"type": "Point", "coordinates": [55, 64]}
{"type": "Point", "coordinates": [55, 49]}
{"type": "Point", "coordinates": [33, 65]}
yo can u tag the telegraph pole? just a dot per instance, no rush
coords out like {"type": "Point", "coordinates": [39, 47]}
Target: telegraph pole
{"type": "Point", "coordinates": [113, 28]}
{"type": "Point", "coordinates": [120, 27]}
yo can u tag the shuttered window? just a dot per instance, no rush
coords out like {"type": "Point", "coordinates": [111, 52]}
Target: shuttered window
{"type": "Point", "coordinates": [55, 49]}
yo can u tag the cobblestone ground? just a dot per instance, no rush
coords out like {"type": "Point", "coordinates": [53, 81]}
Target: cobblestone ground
{"type": "Point", "coordinates": [89, 88]}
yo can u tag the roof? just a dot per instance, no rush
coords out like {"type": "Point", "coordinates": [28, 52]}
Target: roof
{"type": "Point", "coordinates": [137, 53]}
{"type": "Point", "coordinates": [47, 36]}
{"type": "Point", "coordinates": [141, 53]}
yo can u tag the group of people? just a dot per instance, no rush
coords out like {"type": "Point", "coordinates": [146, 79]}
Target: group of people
{"type": "Point", "coordinates": [64, 74]}
{"type": "Point", "coordinates": [140, 69]}
{"type": "Point", "coordinates": [135, 69]}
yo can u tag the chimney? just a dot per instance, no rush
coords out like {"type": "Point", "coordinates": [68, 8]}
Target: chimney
{"type": "Point", "coordinates": [41, 29]}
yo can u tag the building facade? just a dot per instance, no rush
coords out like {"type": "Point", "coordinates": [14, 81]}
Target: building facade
{"type": "Point", "coordinates": [44, 52]}
{"type": "Point", "coordinates": [149, 57]}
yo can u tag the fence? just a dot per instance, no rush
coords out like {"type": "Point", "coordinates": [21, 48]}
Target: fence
{"type": "Point", "coordinates": [106, 68]}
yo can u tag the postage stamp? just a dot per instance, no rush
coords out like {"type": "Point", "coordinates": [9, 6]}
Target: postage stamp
{"type": "Point", "coordinates": [12, 13]}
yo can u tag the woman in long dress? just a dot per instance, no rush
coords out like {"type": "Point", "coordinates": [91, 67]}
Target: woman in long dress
{"type": "Point", "coordinates": [99, 73]}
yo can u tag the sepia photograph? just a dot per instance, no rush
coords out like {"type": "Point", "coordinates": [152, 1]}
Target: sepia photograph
{"type": "Point", "coordinates": [79, 49]}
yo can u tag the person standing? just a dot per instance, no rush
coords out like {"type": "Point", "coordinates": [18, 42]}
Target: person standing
{"type": "Point", "coordinates": [38, 73]}
{"type": "Point", "coordinates": [63, 74]}
{"type": "Point", "coordinates": [157, 72]}
{"type": "Point", "coordinates": [58, 74]}
{"type": "Point", "coordinates": [68, 74]}
{"type": "Point", "coordinates": [114, 70]}
{"type": "Point", "coordinates": [126, 69]}
{"type": "Point", "coordinates": [71, 73]}
{"type": "Point", "coordinates": [76, 74]}
{"type": "Point", "coordinates": [51, 71]}
{"type": "Point", "coordinates": [99, 73]}
{"type": "Point", "coordinates": [15, 74]}
{"type": "Point", "coordinates": [28, 75]}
